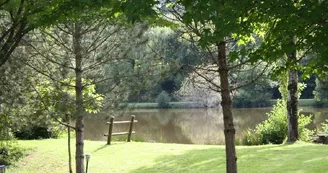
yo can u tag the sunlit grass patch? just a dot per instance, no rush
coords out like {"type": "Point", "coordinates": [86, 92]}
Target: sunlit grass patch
{"type": "Point", "coordinates": [139, 157]}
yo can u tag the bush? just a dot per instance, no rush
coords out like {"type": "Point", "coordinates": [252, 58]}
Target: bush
{"type": "Point", "coordinates": [36, 132]}
{"type": "Point", "coordinates": [10, 154]}
{"type": "Point", "coordinates": [324, 127]}
{"type": "Point", "coordinates": [250, 137]}
{"type": "Point", "coordinates": [242, 101]}
{"type": "Point", "coordinates": [274, 129]}
{"type": "Point", "coordinates": [320, 93]}
{"type": "Point", "coordinates": [305, 134]}
{"type": "Point", "coordinates": [163, 100]}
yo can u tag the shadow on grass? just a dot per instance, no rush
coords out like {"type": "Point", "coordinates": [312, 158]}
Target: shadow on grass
{"type": "Point", "coordinates": [270, 158]}
{"type": "Point", "coordinates": [105, 146]}
{"type": "Point", "coordinates": [191, 161]}
{"type": "Point", "coordinates": [102, 147]}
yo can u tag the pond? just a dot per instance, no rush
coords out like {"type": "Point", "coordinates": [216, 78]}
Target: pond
{"type": "Point", "coordinates": [187, 126]}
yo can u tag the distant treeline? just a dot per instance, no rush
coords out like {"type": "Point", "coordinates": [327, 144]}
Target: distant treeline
{"type": "Point", "coordinates": [252, 96]}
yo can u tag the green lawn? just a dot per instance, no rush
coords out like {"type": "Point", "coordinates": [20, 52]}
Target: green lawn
{"type": "Point", "coordinates": [50, 156]}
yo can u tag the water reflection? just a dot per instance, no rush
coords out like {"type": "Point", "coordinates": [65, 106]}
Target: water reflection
{"type": "Point", "coordinates": [187, 126]}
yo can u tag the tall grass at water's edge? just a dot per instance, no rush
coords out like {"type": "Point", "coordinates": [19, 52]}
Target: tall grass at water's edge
{"type": "Point", "coordinates": [179, 105]}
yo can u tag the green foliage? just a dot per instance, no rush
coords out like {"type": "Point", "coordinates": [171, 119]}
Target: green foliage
{"type": "Point", "coordinates": [38, 132]}
{"type": "Point", "coordinates": [171, 54]}
{"type": "Point", "coordinates": [304, 133]}
{"type": "Point", "coordinates": [324, 127]}
{"type": "Point", "coordinates": [20, 17]}
{"type": "Point", "coordinates": [163, 100]}
{"type": "Point", "coordinates": [255, 94]}
{"type": "Point", "coordinates": [247, 99]}
{"type": "Point", "coordinates": [10, 154]}
{"type": "Point", "coordinates": [321, 91]}
{"type": "Point", "coordinates": [306, 19]}
{"type": "Point", "coordinates": [62, 100]}
{"type": "Point", "coordinates": [274, 129]}
{"type": "Point", "coordinates": [5, 130]}
{"type": "Point", "coordinates": [43, 105]}
{"type": "Point", "coordinates": [250, 138]}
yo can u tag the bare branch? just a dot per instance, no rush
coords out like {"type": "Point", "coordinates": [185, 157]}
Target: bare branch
{"type": "Point", "coordinates": [58, 42]}
{"type": "Point", "coordinates": [47, 58]}
{"type": "Point", "coordinates": [46, 75]}
{"type": "Point", "coordinates": [96, 43]}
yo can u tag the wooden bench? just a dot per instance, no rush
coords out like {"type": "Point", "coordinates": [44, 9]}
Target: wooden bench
{"type": "Point", "coordinates": [110, 130]}
{"type": "Point", "coordinates": [322, 138]}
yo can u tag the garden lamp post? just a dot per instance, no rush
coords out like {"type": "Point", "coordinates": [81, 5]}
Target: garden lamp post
{"type": "Point", "coordinates": [87, 158]}
{"type": "Point", "coordinates": [2, 168]}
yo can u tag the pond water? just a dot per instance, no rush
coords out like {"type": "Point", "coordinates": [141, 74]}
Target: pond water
{"type": "Point", "coordinates": [187, 126]}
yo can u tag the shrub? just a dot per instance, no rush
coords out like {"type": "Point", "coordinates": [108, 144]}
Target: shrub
{"type": "Point", "coordinates": [324, 127]}
{"type": "Point", "coordinates": [305, 134]}
{"type": "Point", "coordinates": [274, 129]}
{"type": "Point", "coordinates": [163, 100]}
{"type": "Point", "coordinates": [37, 132]}
{"type": "Point", "coordinates": [320, 93]}
{"type": "Point", "coordinates": [250, 137]}
{"type": "Point", "coordinates": [241, 101]}
{"type": "Point", "coordinates": [10, 154]}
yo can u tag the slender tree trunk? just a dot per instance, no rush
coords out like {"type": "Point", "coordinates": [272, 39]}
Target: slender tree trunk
{"type": "Point", "coordinates": [292, 102]}
{"type": "Point", "coordinates": [69, 146]}
{"type": "Point", "coordinates": [79, 154]}
{"type": "Point", "coordinates": [226, 103]}
{"type": "Point", "coordinates": [67, 116]}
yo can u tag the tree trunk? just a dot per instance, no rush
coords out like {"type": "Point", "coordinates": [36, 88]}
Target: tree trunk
{"type": "Point", "coordinates": [67, 116]}
{"type": "Point", "coordinates": [79, 131]}
{"type": "Point", "coordinates": [226, 103]}
{"type": "Point", "coordinates": [292, 102]}
{"type": "Point", "coordinates": [70, 170]}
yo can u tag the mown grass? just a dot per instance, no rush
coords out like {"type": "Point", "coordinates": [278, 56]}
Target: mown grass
{"type": "Point", "coordinates": [50, 156]}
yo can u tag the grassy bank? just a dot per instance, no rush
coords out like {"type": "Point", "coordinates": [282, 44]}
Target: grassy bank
{"type": "Point", "coordinates": [177, 105]}
{"type": "Point", "coordinates": [50, 156]}
{"type": "Point", "coordinates": [301, 103]}
{"type": "Point", "coordinates": [173, 105]}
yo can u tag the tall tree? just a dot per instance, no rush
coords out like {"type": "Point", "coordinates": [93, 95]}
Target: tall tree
{"type": "Point", "coordinates": [297, 31]}
{"type": "Point", "coordinates": [292, 101]}
{"type": "Point", "coordinates": [216, 27]}
{"type": "Point", "coordinates": [91, 54]}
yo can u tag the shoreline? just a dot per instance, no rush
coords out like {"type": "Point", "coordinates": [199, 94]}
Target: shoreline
{"type": "Point", "coordinates": [185, 105]}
